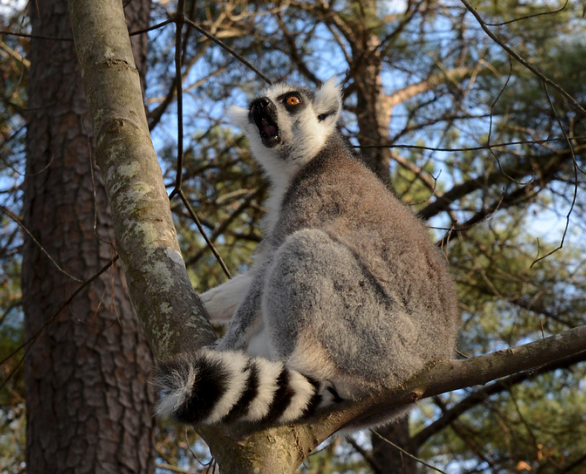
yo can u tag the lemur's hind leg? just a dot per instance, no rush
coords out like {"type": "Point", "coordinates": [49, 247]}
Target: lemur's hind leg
{"type": "Point", "coordinates": [331, 319]}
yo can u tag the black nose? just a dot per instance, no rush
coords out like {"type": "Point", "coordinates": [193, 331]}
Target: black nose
{"type": "Point", "coordinates": [259, 104]}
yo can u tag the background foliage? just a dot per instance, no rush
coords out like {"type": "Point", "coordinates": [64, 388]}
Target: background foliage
{"type": "Point", "coordinates": [426, 84]}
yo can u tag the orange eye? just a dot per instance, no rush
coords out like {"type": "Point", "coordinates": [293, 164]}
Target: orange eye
{"type": "Point", "coordinates": [292, 100]}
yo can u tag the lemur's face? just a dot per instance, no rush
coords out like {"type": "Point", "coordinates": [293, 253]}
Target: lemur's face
{"type": "Point", "coordinates": [277, 117]}
{"type": "Point", "coordinates": [287, 126]}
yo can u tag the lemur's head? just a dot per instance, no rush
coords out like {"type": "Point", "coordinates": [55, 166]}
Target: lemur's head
{"type": "Point", "coordinates": [287, 126]}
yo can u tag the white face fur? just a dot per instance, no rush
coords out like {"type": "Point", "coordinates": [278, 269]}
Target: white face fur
{"type": "Point", "coordinates": [294, 123]}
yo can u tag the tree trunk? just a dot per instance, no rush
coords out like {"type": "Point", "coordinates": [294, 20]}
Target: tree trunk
{"type": "Point", "coordinates": [89, 406]}
{"type": "Point", "coordinates": [373, 110]}
{"type": "Point", "coordinates": [373, 107]}
{"type": "Point", "coordinates": [387, 457]}
{"type": "Point", "coordinates": [374, 116]}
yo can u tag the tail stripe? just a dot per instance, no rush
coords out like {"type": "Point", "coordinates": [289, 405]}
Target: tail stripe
{"type": "Point", "coordinates": [268, 373]}
{"type": "Point", "coordinates": [303, 392]}
{"type": "Point", "coordinates": [282, 397]}
{"type": "Point", "coordinates": [315, 400]}
{"type": "Point", "coordinates": [212, 386]}
{"type": "Point", "coordinates": [236, 376]}
{"type": "Point", "coordinates": [242, 406]}
{"type": "Point", "coordinates": [209, 386]}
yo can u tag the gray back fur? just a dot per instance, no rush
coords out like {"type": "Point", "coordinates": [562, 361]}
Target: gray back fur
{"type": "Point", "coordinates": [390, 306]}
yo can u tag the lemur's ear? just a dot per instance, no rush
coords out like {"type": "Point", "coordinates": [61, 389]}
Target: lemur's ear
{"type": "Point", "coordinates": [238, 116]}
{"type": "Point", "coordinates": [328, 102]}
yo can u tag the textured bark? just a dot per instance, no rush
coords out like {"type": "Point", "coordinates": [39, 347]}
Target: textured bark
{"type": "Point", "coordinates": [373, 108]}
{"type": "Point", "coordinates": [389, 458]}
{"type": "Point", "coordinates": [166, 304]}
{"type": "Point", "coordinates": [89, 406]}
{"type": "Point", "coordinates": [170, 312]}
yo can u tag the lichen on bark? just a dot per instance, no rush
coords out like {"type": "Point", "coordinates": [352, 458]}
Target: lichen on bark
{"type": "Point", "coordinates": [145, 235]}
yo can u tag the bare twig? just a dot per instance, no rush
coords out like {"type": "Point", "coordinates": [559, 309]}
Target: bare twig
{"type": "Point", "coordinates": [576, 168]}
{"type": "Point", "coordinates": [483, 393]}
{"type": "Point", "coordinates": [227, 48]}
{"type": "Point", "coordinates": [34, 337]}
{"type": "Point", "coordinates": [496, 158]}
{"type": "Point", "coordinates": [447, 376]}
{"type": "Point", "coordinates": [526, 17]}
{"type": "Point", "coordinates": [15, 55]}
{"type": "Point", "coordinates": [406, 453]}
{"type": "Point", "coordinates": [24, 35]}
{"type": "Point", "coordinates": [519, 59]}
{"type": "Point", "coordinates": [365, 454]}
{"type": "Point", "coordinates": [201, 230]}
{"type": "Point", "coordinates": [473, 148]}
{"type": "Point", "coordinates": [224, 225]}
{"type": "Point", "coordinates": [179, 92]}
{"type": "Point", "coordinates": [151, 28]}
{"type": "Point", "coordinates": [37, 243]}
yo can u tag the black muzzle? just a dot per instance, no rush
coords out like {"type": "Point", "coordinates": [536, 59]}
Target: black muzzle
{"type": "Point", "coordinates": [264, 114]}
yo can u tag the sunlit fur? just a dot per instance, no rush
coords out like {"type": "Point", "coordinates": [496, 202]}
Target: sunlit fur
{"type": "Point", "coordinates": [347, 295]}
{"type": "Point", "coordinates": [303, 136]}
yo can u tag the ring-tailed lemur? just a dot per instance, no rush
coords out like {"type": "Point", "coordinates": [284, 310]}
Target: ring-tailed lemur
{"type": "Point", "coordinates": [347, 294]}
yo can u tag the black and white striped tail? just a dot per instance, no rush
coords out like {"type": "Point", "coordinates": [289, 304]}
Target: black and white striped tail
{"type": "Point", "coordinates": [223, 387]}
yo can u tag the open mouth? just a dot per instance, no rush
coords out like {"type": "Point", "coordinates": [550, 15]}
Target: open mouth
{"type": "Point", "coordinates": [264, 116]}
{"type": "Point", "coordinates": [267, 128]}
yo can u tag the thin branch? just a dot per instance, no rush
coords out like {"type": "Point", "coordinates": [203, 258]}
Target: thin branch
{"type": "Point", "coordinates": [496, 158]}
{"type": "Point", "coordinates": [473, 148]}
{"type": "Point", "coordinates": [461, 190]}
{"type": "Point", "coordinates": [24, 35]}
{"type": "Point", "coordinates": [533, 69]}
{"type": "Point", "coordinates": [293, 52]}
{"type": "Point", "coordinates": [466, 435]}
{"type": "Point", "coordinates": [38, 244]}
{"type": "Point", "coordinates": [576, 168]}
{"type": "Point", "coordinates": [224, 225]}
{"type": "Point", "coordinates": [526, 17]}
{"type": "Point", "coordinates": [504, 202]}
{"type": "Point", "coordinates": [13, 54]}
{"type": "Point", "coordinates": [155, 115]}
{"type": "Point", "coordinates": [365, 454]}
{"type": "Point", "coordinates": [447, 376]}
{"type": "Point", "coordinates": [179, 93]}
{"type": "Point", "coordinates": [9, 308]}
{"type": "Point", "coordinates": [479, 396]}
{"type": "Point", "coordinates": [406, 453]}
{"type": "Point", "coordinates": [227, 48]}
{"type": "Point", "coordinates": [151, 28]}
{"type": "Point", "coordinates": [400, 96]}
{"type": "Point", "coordinates": [428, 182]}
{"type": "Point", "coordinates": [202, 232]}
{"type": "Point", "coordinates": [573, 464]}
{"type": "Point", "coordinates": [406, 17]}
